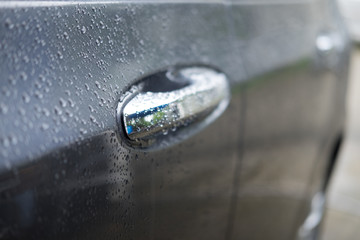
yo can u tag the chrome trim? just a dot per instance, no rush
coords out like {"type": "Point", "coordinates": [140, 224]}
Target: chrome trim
{"type": "Point", "coordinates": [151, 115]}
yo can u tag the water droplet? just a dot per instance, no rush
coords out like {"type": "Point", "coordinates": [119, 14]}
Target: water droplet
{"type": "Point", "coordinates": [83, 131]}
{"type": "Point", "coordinates": [57, 110]}
{"type": "Point", "coordinates": [12, 80]}
{"type": "Point", "coordinates": [9, 24]}
{"type": "Point", "coordinates": [97, 84]}
{"type": "Point", "coordinates": [66, 35]}
{"type": "Point", "coordinates": [23, 76]}
{"type": "Point", "coordinates": [62, 102]}
{"type": "Point", "coordinates": [26, 98]}
{"type": "Point", "coordinates": [26, 59]}
{"type": "Point", "coordinates": [38, 94]}
{"type": "Point", "coordinates": [3, 108]}
{"type": "Point", "coordinates": [59, 54]}
{"type": "Point", "coordinates": [91, 108]}
{"type": "Point", "coordinates": [71, 103]}
{"type": "Point", "coordinates": [6, 142]}
{"type": "Point", "coordinates": [99, 41]}
{"type": "Point", "coordinates": [92, 118]}
{"type": "Point", "coordinates": [46, 112]}
{"type": "Point", "coordinates": [13, 140]}
{"type": "Point", "coordinates": [22, 111]}
{"type": "Point", "coordinates": [83, 29]}
{"type": "Point", "coordinates": [44, 126]}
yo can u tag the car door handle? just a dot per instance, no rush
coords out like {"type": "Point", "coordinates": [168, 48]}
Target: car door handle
{"type": "Point", "coordinates": [172, 105]}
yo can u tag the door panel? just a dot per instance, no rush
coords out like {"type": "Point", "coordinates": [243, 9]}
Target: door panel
{"type": "Point", "coordinates": [69, 175]}
{"type": "Point", "coordinates": [289, 96]}
{"type": "Point", "coordinates": [66, 172]}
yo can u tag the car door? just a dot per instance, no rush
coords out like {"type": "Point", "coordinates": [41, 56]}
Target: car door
{"type": "Point", "coordinates": [66, 172]}
{"type": "Point", "coordinates": [67, 168]}
{"type": "Point", "coordinates": [293, 115]}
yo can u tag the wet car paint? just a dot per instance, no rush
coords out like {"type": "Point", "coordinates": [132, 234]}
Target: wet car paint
{"type": "Point", "coordinates": [251, 174]}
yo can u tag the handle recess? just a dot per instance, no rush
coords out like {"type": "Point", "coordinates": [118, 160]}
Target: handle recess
{"type": "Point", "coordinates": [168, 106]}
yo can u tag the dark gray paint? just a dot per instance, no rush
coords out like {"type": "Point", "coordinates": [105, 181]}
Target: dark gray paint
{"type": "Point", "coordinates": [249, 175]}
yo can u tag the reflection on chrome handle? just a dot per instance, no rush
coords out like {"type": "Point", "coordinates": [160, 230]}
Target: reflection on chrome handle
{"type": "Point", "coordinates": [151, 117]}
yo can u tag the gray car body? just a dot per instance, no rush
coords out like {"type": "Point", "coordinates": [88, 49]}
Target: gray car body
{"type": "Point", "coordinates": [64, 170]}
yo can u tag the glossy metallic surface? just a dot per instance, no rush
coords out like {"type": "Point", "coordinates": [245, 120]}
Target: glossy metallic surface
{"type": "Point", "coordinates": [154, 113]}
{"type": "Point", "coordinates": [250, 174]}
{"type": "Point", "coordinates": [64, 69]}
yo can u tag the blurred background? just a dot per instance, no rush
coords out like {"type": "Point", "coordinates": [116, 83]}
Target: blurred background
{"type": "Point", "coordinates": [342, 216]}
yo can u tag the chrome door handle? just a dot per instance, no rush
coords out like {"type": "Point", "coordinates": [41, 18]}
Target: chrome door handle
{"type": "Point", "coordinates": [172, 105]}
